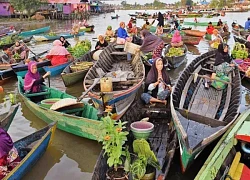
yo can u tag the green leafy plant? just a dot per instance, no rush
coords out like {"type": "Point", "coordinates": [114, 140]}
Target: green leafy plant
{"type": "Point", "coordinates": [80, 48]}
{"type": "Point", "coordinates": [113, 137]}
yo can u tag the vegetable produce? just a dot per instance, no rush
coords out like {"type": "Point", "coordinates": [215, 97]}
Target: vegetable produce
{"type": "Point", "coordinates": [215, 45]}
{"type": "Point", "coordinates": [80, 48]}
{"type": "Point", "coordinates": [11, 39]}
{"type": "Point", "coordinates": [52, 34]}
{"type": "Point", "coordinates": [16, 56]}
{"type": "Point", "coordinates": [239, 51]}
{"type": "Point", "coordinates": [147, 56]}
{"type": "Point", "coordinates": [175, 52]}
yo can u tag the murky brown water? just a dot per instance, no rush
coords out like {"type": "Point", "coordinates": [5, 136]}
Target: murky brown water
{"type": "Point", "coordinates": [72, 157]}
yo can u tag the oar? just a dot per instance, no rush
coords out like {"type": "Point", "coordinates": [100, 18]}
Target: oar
{"type": "Point", "coordinates": [49, 80]}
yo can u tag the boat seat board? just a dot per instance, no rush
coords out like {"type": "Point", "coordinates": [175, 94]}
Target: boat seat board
{"type": "Point", "coordinates": [119, 53]}
{"type": "Point", "coordinates": [206, 101]}
{"type": "Point", "coordinates": [244, 132]}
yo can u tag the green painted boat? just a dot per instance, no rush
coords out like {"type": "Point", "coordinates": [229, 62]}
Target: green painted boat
{"type": "Point", "coordinates": [87, 29]}
{"type": "Point", "coordinates": [208, 37]}
{"type": "Point", "coordinates": [199, 23]}
{"type": "Point", "coordinates": [201, 115]}
{"type": "Point", "coordinates": [7, 117]}
{"type": "Point", "coordinates": [82, 121]}
{"type": "Point", "coordinates": [69, 77]}
{"type": "Point", "coordinates": [230, 153]}
{"type": "Point", "coordinates": [46, 37]}
{"type": "Point", "coordinates": [35, 31]}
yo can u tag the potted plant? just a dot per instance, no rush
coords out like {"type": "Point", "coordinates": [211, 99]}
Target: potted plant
{"type": "Point", "coordinates": [143, 167]}
{"type": "Point", "coordinates": [113, 137]}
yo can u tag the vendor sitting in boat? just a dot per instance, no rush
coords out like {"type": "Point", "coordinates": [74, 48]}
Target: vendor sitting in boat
{"type": "Point", "coordinates": [225, 28]}
{"type": "Point", "coordinates": [7, 57]}
{"type": "Point", "coordinates": [134, 30]}
{"type": "Point", "coordinates": [210, 28]}
{"type": "Point", "coordinates": [58, 54]}
{"type": "Point", "coordinates": [222, 67]}
{"type": "Point", "coordinates": [122, 35]}
{"type": "Point", "coordinates": [130, 25]}
{"type": "Point", "coordinates": [101, 44]}
{"type": "Point", "coordinates": [158, 84]}
{"type": "Point", "coordinates": [159, 31]}
{"type": "Point", "coordinates": [109, 32]}
{"type": "Point", "coordinates": [65, 43]}
{"type": "Point", "coordinates": [176, 39]}
{"type": "Point", "coordinates": [147, 25]}
{"type": "Point", "coordinates": [9, 157]}
{"type": "Point", "coordinates": [151, 43]}
{"type": "Point", "coordinates": [215, 39]}
{"type": "Point", "coordinates": [21, 49]}
{"type": "Point", "coordinates": [75, 29]}
{"type": "Point", "coordinates": [33, 81]}
{"type": "Point", "coordinates": [247, 24]}
{"type": "Point", "coordinates": [220, 23]}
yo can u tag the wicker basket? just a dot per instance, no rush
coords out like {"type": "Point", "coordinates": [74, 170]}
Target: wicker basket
{"type": "Point", "coordinates": [131, 47]}
{"type": "Point", "coordinates": [76, 68]}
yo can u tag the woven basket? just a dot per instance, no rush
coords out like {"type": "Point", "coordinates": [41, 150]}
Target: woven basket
{"type": "Point", "coordinates": [131, 47]}
{"type": "Point", "coordinates": [76, 68]}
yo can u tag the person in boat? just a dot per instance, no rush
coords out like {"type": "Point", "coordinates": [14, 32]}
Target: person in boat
{"type": "Point", "coordinates": [122, 35]}
{"type": "Point", "coordinates": [160, 19]}
{"type": "Point", "coordinates": [195, 20]}
{"type": "Point", "coordinates": [101, 44]}
{"type": "Point", "coordinates": [176, 24]}
{"type": "Point", "coordinates": [9, 157]}
{"type": "Point", "coordinates": [7, 56]}
{"type": "Point", "coordinates": [159, 31]}
{"type": "Point", "coordinates": [158, 84]}
{"type": "Point", "coordinates": [65, 43]}
{"type": "Point", "coordinates": [130, 23]}
{"type": "Point", "coordinates": [58, 54]}
{"type": "Point", "coordinates": [225, 28]}
{"type": "Point", "coordinates": [146, 26]}
{"type": "Point", "coordinates": [75, 29]}
{"type": "Point", "coordinates": [21, 49]}
{"type": "Point", "coordinates": [215, 39]}
{"type": "Point", "coordinates": [176, 40]}
{"type": "Point", "coordinates": [210, 28]}
{"type": "Point", "coordinates": [151, 43]}
{"type": "Point", "coordinates": [134, 30]}
{"type": "Point", "coordinates": [247, 24]}
{"type": "Point", "coordinates": [220, 23]}
{"type": "Point", "coordinates": [222, 67]}
{"type": "Point", "coordinates": [33, 81]}
{"type": "Point", "coordinates": [109, 32]}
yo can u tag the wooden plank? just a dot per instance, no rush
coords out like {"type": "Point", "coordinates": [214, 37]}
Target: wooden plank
{"type": "Point", "coordinates": [228, 98]}
{"type": "Point", "coordinates": [191, 103]}
{"type": "Point", "coordinates": [118, 53]}
{"type": "Point", "coordinates": [184, 92]}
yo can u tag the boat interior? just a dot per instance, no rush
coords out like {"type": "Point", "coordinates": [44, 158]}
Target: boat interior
{"type": "Point", "coordinates": [114, 63]}
{"type": "Point", "coordinates": [203, 111]}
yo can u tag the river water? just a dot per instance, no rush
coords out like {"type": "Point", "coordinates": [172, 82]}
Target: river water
{"type": "Point", "coordinates": [72, 157]}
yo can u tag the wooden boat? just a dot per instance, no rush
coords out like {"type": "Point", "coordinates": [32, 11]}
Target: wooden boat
{"type": "Point", "coordinates": [230, 157]}
{"type": "Point", "coordinates": [45, 37]}
{"type": "Point", "coordinates": [26, 40]}
{"type": "Point", "coordinates": [188, 40]}
{"type": "Point", "coordinates": [124, 89]}
{"type": "Point", "coordinates": [199, 23]}
{"type": "Point", "coordinates": [240, 39]}
{"type": "Point", "coordinates": [69, 77]}
{"type": "Point", "coordinates": [35, 31]}
{"type": "Point", "coordinates": [245, 34]}
{"type": "Point", "coordinates": [189, 15]}
{"type": "Point", "coordinates": [201, 115]}
{"type": "Point", "coordinates": [6, 75]}
{"type": "Point", "coordinates": [82, 122]}
{"type": "Point", "coordinates": [30, 149]}
{"type": "Point", "coordinates": [163, 139]}
{"type": "Point", "coordinates": [87, 28]}
{"type": "Point", "coordinates": [196, 33]}
{"type": "Point", "coordinates": [236, 28]}
{"type": "Point", "coordinates": [7, 118]}
{"type": "Point", "coordinates": [175, 61]}
{"type": "Point", "coordinates": [56, 70]}
{"type": "Point", "coordinates": [115, 17]}
{"type": "Point", "coordinates": [224, 35]}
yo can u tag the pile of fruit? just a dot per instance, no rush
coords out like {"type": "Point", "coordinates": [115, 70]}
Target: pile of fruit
{"type": "Point", "coordinates": [215, 45]}
{"type": "Point", "coordinates": [80, 48]}
{"type": "Point", "coordinates": [173, 51]}
{"type": "Point", "coordinates": [245, 65]}
{"type": "Point", "coordinates": [239, 51]}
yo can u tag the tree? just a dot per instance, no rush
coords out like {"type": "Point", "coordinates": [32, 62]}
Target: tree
{"type": "Point", "coordinates": [26, 5]}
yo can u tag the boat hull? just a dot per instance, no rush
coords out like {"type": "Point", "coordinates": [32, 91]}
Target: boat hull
{"type": "Point", "coordinates": [56, 70]}
{"type": "Point", "coordinates": [35, 31]}
{"type": "Point", "coordinates": [40, 38]}
{"type": "Point", "coordinates": [7, 118]}
{"type": "Point", "coordinates": [199, 23]}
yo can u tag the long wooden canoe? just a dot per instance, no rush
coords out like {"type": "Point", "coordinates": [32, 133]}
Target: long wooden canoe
{"type": "Point", "coordinates": [163, 139]}
{"type": "Point", "coordinates": [46, 37]}
{"type": "Point", "coordinates": [57, 69]}
{"type": "Point", "coordinates": [69, 78]}
{"type": "Point", "coordinates": [230, 157]}
{"type": "Point", "coordinates": [175, 61]}
{"type": "Point", "coordinates": [87, 28]}
{"type": "Point", "coordinates": [201, 115]}
{"type": "Point", "coordinates": [124, 89]}
{"type": "Point", "coordinates": [188, 40]}
{"type": "Point", "coordinates": [200, 23]}
{"type": "Point", "coordinates": [7, 118]}
{"type": "Point", "coordinates": [30, 149]}
{"type": "Point", "coordinates": [35, 31]}
{"type": "Point", "coordinates": [82, 122]}
{"type": "Point", "coordinates": [196, 33]}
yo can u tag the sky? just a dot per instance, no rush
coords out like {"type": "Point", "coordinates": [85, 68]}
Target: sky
{"type": "Point", "coordinates": [143, 1]}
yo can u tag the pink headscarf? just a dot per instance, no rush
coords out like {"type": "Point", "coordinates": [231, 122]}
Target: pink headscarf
{"type": "Point", "coordinates": [30, 78]}
{"type": "Point", "coordinates": [176, 37]}
{"type": "Point", "coordinates": [248, 38]}
{"type": "Point", "coordinates": [58, 49]}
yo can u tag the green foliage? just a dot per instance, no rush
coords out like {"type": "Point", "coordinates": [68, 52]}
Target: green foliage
{"type": "Point", "coordinates": [16, 56]}
{"type": "Point", "coordinates": [220, 3]}
{"type": "Point", "coordinates": [80, 48]}
{"type": "Point", "coordinates": [113, 138]}
{"type": "Point", "coordinates": [51, 34]}
{"type": "Point", "coordinates": [173, 51]}
{"type": "Point", "coordinates": [9, 39]}
{"type": "Point", "coordinates": [147, 56]}
{"type": "Point", "coordinates": [138, 168]}
{"type": "Point", "coordinates": [239, 51]}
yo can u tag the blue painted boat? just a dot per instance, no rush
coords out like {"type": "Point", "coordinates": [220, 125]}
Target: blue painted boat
{"type": "Point", "coordinates": [45, 37]}
{"type": "Point", "coordinates": [22, 69]}
{"type": "Point", "coordinates": [30, 149]}
{"type": "Point", "coordinates": [7, 118]}
{"type": "Point", "coordinates": [35, 31]}
{"type": "Point", "coordinates": [56, 70]}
